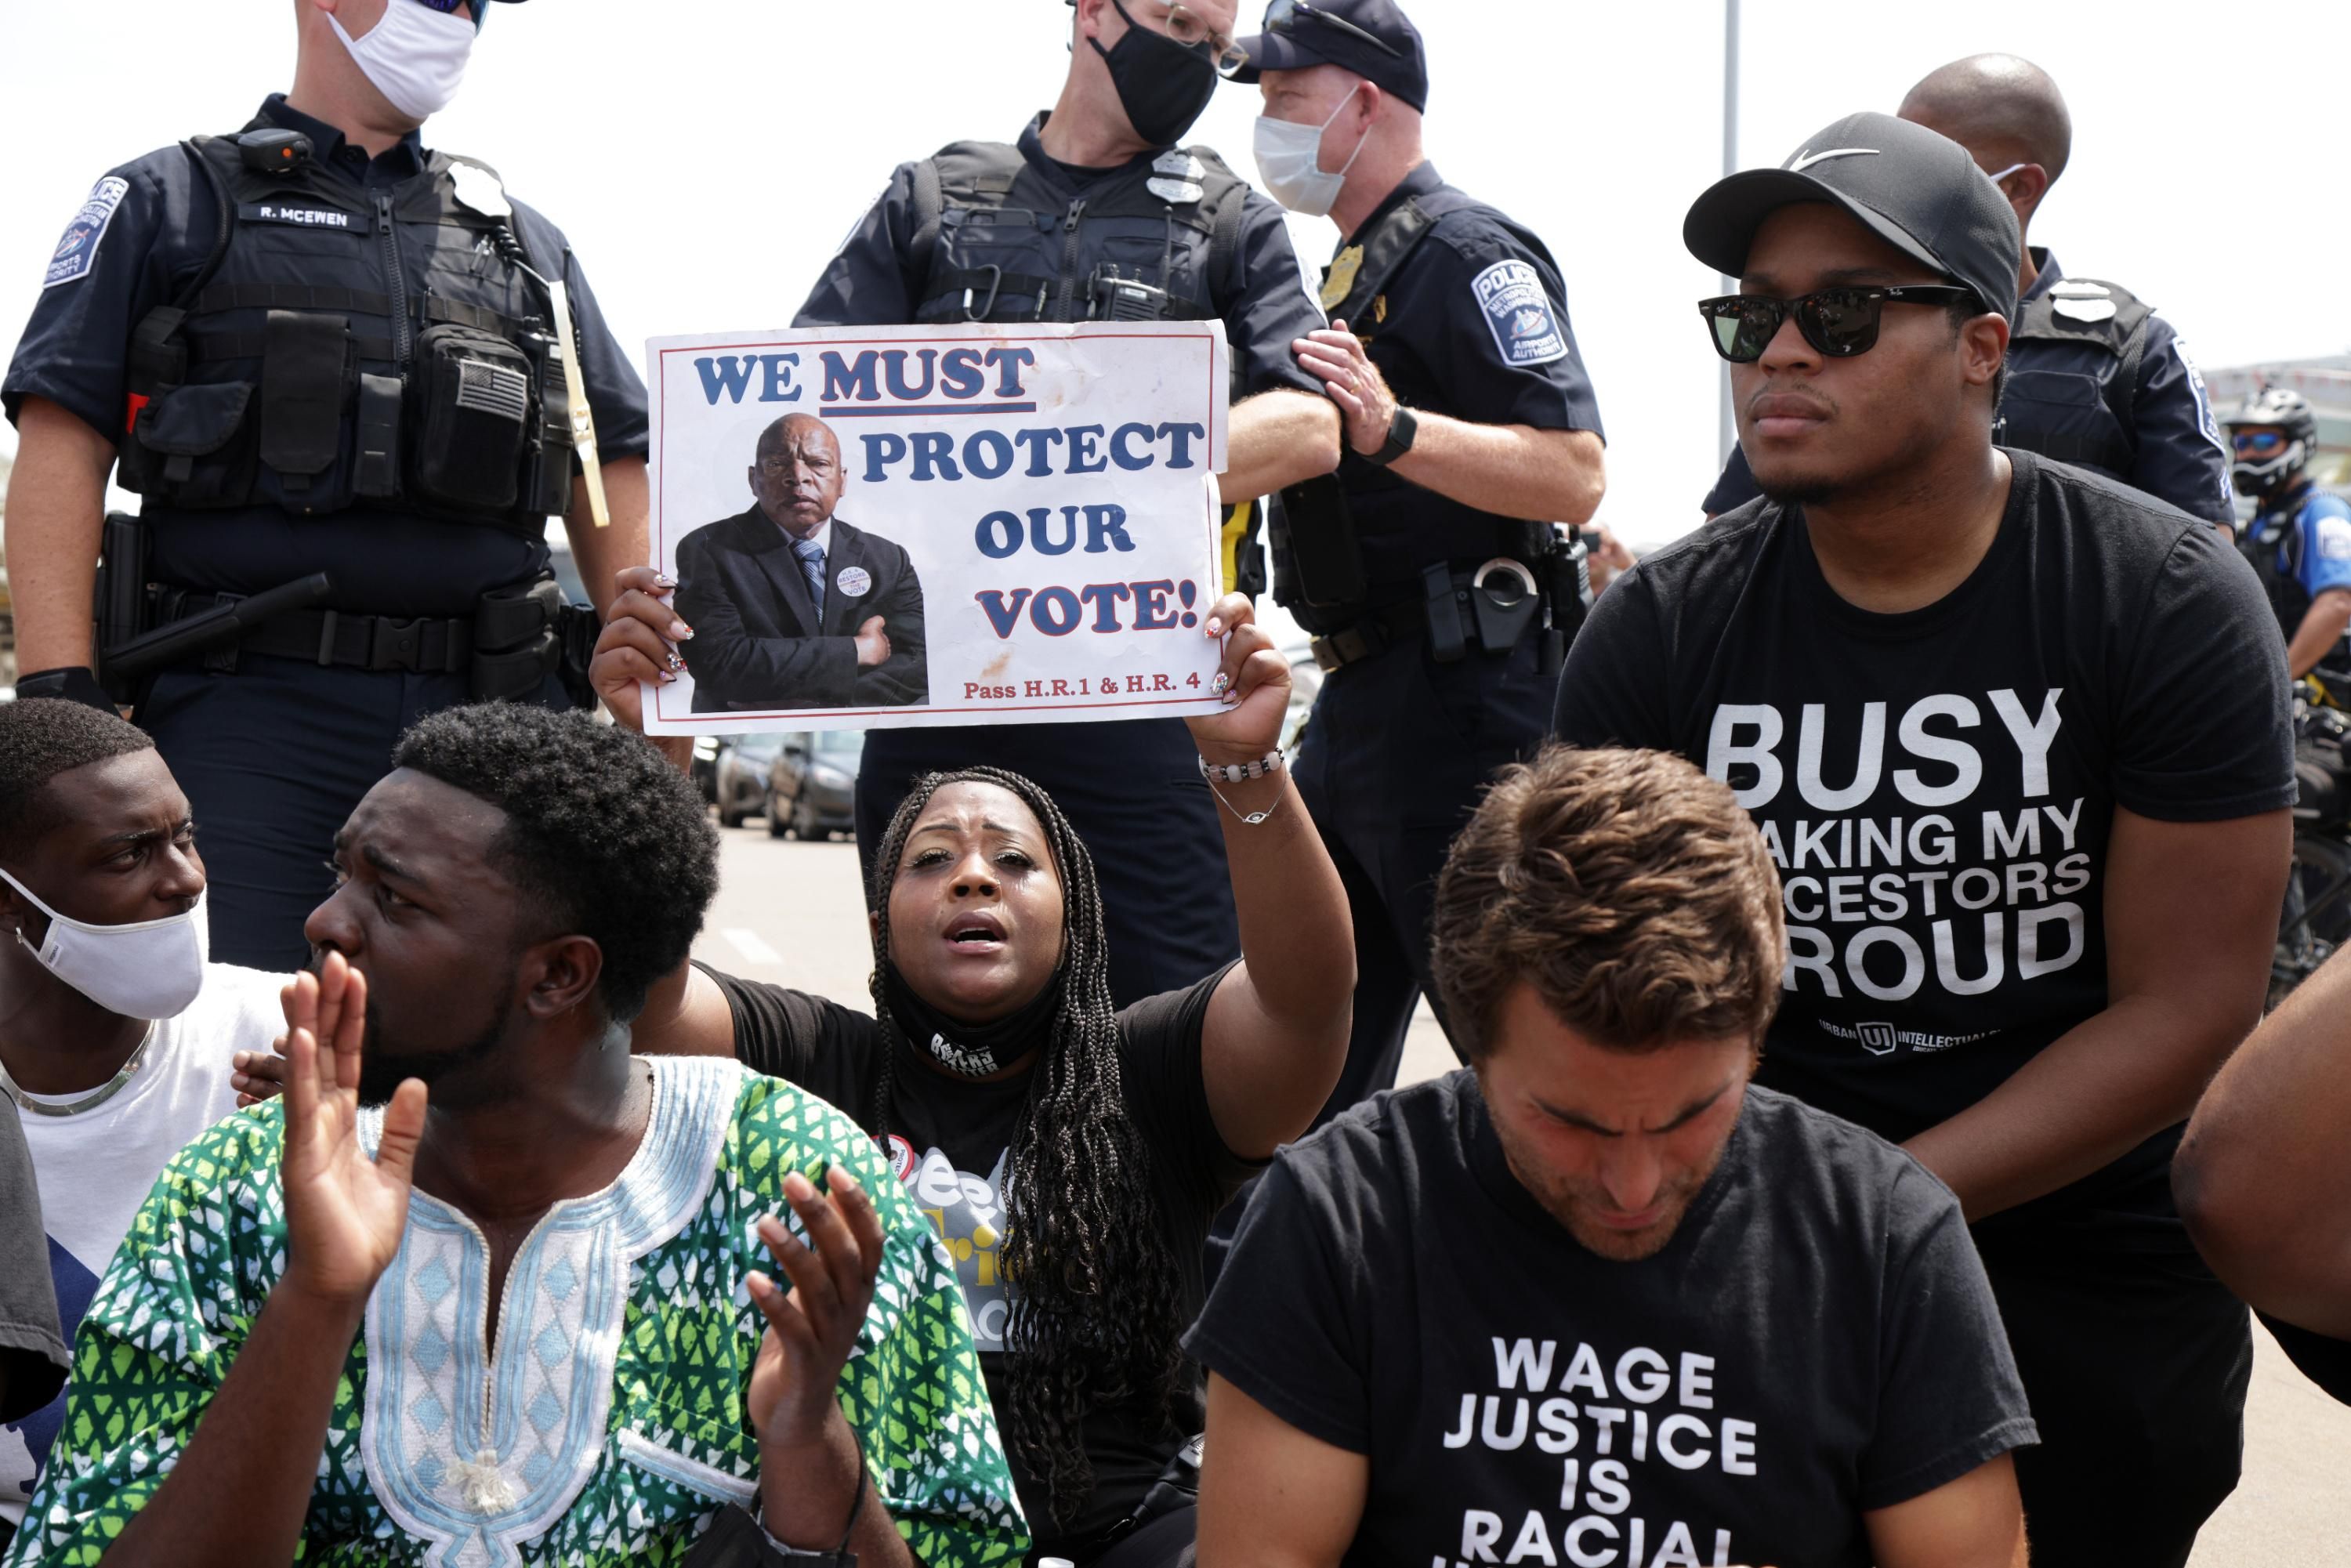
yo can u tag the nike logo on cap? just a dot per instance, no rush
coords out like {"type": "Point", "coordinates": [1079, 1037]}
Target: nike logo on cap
{"type": "Point", "coordinates": [1807, 158]}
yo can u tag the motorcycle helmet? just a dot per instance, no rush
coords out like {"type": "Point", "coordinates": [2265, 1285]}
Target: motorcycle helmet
{"type": "Point", "coordinates": [2265, 473]}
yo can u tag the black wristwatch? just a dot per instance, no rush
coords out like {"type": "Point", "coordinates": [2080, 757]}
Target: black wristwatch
{"type": "Point", "coordinates": [1402, 428]}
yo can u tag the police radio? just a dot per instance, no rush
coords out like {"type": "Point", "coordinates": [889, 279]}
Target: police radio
{"type": "Point", "coordinates": [1114, 297]}
{"type": "Point", "coordinates": [274, 152]}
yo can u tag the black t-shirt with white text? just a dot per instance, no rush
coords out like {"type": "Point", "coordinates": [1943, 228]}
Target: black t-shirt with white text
{"type": "Point", "coordinates": [1817, 1340]}
{"type": "Point", "coordinates": [950, 1142]}
{"type": "Point", "coordinates": [1938, 787]}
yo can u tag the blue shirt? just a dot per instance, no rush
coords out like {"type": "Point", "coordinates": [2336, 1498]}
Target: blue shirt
{"type": "Point", "coordinates": [2312, 546]}
{"type": "Point", "coordinates": [158, 233]}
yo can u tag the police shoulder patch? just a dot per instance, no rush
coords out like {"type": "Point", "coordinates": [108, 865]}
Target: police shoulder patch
{"type": "Point", "coordinates": [76, 252]}
{"type": "Point", "coordinates": [1518, 312]}
{"type": "Point", "coordinates": [2333, 538]}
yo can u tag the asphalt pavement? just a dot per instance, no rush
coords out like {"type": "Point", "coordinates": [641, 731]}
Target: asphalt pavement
{"type": "Point", "coordinates": [793, 913]}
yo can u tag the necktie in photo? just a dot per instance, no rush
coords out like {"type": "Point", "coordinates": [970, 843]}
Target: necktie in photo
{"type": "Point", "coordinates": [811, 555]}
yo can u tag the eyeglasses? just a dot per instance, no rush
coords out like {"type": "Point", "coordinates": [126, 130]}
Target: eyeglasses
{"type": "Point", "coordinates": [1283, 16]}
{"type": "Point", "coordinates": [1838, 322]}
{"type": "Point", "coordinates": [2257, 443]}
{"type": "Point", "coordinates": [1196, 36]}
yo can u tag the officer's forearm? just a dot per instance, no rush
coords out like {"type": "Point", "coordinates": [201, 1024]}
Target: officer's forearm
{"type": "Point", "coordinates": [1277, 438]}
{"type": "Point", "coordinates": [2320, 631]}
{"type": "Point", "coordinates": [602, 552]}
{"type": "Point", "coordinates": [56, 503]}
{"type": "Point", "coordinates": [1510, 470]}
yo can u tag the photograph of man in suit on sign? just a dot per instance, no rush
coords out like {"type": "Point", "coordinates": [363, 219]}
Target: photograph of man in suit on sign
{"type": "Point", "coordinates": [792, 607]}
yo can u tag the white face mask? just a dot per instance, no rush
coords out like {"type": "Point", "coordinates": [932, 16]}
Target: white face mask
{"type": "Point", "coordinates": [150, 969]}
{"type": "Point", "coordinates": [415, 56]}
{"type": "Point", "coordinates": [1289, 159]}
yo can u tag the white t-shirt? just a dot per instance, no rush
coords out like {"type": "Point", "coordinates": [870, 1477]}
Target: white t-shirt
{"type": "Point", "coordinates": [94, 1170]}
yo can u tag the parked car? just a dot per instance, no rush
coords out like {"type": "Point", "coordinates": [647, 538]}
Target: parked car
{"type": "Point", "coordinates": [742, 776]}
{"type": "Point", "coordinates": [812, 784]}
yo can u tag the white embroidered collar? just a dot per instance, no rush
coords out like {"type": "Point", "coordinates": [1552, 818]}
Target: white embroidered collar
{"type": "Point", "coordinates": [476, 1452]}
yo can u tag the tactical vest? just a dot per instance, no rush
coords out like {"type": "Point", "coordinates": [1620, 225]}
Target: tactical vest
{"type": "Point", "coordinates": [1316, 533]}
{"type": "Point", "coordinates": [345, 347]}
{"type": "Point", "coordinates": [2069, 396]}
{"type": "Point", "coordinates": [1151, 245]}
{"type": "Point", "coordinates": [2277, 558]}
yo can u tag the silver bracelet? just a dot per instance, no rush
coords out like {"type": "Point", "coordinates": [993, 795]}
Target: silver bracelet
{"type": "Point", "coordinates": [1242, 772]}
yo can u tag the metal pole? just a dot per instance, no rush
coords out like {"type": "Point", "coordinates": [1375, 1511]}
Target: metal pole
{"type": "Point", "coordinates": [1730, 431]}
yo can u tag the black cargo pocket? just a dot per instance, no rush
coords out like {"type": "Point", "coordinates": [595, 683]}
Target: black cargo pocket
{"type": "Point", "coordinates": [474, 392]}
{"type": "Point", "coordinates": [306, 393]}
{"type": "Point", "coordinates": [184, 423]}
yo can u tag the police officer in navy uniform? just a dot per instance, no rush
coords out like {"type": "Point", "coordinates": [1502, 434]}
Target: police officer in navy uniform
{"type": "Point", "coordinates": [2299, 540]}
{"type": "Point", "coordinates": [1428, 567]}
{"type": "Point", "coordinates": [1096, 215]}
{"type": "Point", "coordinates": [313, 346]}
{"type": "Point", "coordinates": [2094, 377]}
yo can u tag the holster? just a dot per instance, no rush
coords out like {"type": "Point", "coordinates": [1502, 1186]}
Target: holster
{"type": "Point", "coordinates": [515, 643]}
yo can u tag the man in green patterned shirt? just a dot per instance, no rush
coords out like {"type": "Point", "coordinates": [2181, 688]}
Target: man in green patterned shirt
{"type": "Point", "coordinates": [530, 1325]}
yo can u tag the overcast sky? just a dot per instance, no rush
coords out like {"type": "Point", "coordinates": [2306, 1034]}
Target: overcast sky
{"type": "Point", "coordinates": [706, 156]}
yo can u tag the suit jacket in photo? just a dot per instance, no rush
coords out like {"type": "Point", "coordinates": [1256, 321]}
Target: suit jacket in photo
{"type": "Point", "coordinates": [757, 641]}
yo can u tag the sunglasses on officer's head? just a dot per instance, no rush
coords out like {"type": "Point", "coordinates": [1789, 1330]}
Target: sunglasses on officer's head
{"type": "Point", "coordinates": [1283, 16]}
{"type": "Point", "coordinates": [1838, 322]}
{"type": "Point", "coordinates": [2257, 442]}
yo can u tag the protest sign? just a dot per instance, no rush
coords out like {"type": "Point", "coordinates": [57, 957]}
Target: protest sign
{"type": "Point", "coordinates": [875, 527]}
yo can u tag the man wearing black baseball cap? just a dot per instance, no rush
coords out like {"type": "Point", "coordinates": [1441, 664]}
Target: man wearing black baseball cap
{"type": "Point", "coordinates": [1425, 568]}
{"type": "Point", "coordinates": [1992, 719]}
{"type": "Point", "coordinates": [2096, 378]}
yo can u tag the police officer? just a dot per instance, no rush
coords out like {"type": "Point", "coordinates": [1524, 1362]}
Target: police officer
{"type": "Point", "coordinates": [313, 346]}
{"type": "Point", "coordinates": [1428, 567]}
{"type": "Point", "coordinates": [1096, 215]}
{"type": "Point", "coordinates": [2094, 377]}
{"type": "Point", "coordinates": [2300, 537]}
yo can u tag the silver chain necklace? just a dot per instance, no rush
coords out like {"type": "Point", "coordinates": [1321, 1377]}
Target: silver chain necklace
{"type": "Point", "coordinates": [90, 1102]}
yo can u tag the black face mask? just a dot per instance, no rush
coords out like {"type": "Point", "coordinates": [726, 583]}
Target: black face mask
{"type": "Point", "coordinates": [971, 1050]}
{"type": "Point", "coordinates": [1163, 85]}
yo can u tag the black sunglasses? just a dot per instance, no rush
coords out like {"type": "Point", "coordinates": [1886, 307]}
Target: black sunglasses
{"type": "Point", "coordinates": [1283, 16]}
{"type": "Point", "coordinates": [1839, 322]}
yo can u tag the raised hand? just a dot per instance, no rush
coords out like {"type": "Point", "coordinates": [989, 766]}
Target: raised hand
{"type": "Point", "coordinates": [873, 643]}
{"type": "Point", "coordinates": [811, 1329]}
{"type": "Point", "coordinates": [639, 643]}
{"type": "Point", "coordinates": [1253, 678]}
{"type": "Point", "coordinates": [345, 1213]}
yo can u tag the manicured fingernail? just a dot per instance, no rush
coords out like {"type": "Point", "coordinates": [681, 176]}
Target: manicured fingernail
{"type": "Point", "coordinates": [1230, 698]}
{"type": "Point", "coordinates": [665, 580]}
{"type": "Point", "coordinates": [668, 679]}
{"type": "Point", "coordinates": [1222, 682]}
{"type": "Point", "coordinates": [1216, 627]}
{"type": "Point", "coordinates": [675, 662]}
{"type": "Point", "coordinates": [679, 631]}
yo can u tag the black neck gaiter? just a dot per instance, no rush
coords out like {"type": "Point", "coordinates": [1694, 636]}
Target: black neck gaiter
{"type": "Point", "coordinates": [970, 1050]}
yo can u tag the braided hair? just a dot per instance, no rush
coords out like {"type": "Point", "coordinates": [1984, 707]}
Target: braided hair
{"type": "Point", "coordinates": [1097, 1321]}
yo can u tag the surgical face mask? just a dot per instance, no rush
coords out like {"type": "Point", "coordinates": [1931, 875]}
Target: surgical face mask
{"type": "Point", "coordinates": [1289, 159]}
{"type": "Point", "coordinates": [1163, 85]}
{"type": "Point", "coordinates": [149, 969]}
{"type": "Point", "coordinates": [415, 56]}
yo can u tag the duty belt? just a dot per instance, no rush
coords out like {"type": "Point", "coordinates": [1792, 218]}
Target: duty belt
{"type": "Point", "coordinates": [340, 639]}
{"type": "Point", "coordinates": [1452, 613]}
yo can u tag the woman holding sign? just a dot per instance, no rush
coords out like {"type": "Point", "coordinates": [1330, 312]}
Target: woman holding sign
{"type": "Point", "coordinates": [1070, 1155]}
